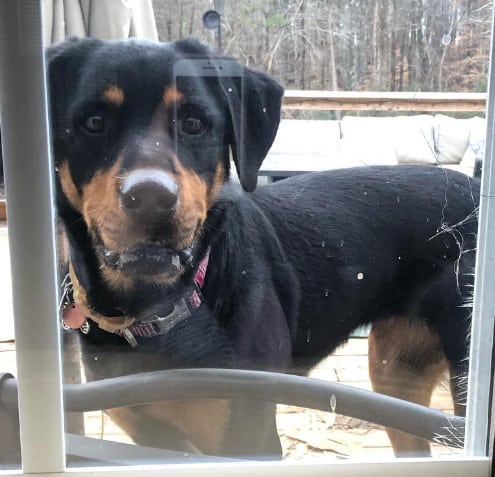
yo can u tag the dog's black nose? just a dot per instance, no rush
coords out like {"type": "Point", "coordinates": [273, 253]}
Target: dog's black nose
{"type": "Point", "coordinates": [148, 193]}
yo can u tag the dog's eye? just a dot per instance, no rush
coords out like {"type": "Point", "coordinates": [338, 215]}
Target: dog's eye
{"type": "Point", "coordinates": [193, 125]}
{"type": "Point", "coordinates": [95, 124]}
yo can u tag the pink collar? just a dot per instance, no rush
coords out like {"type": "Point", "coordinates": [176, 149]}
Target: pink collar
{"type": "Point", "coordinates": [160, 325]}
{"type": "Point", "coordinates": [199, 276]}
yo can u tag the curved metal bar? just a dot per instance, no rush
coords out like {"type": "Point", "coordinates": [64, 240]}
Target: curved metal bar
{"type": "Point", "coordinates": [420, 421]}
{"type": "Point", "coordinates": [8, 391]}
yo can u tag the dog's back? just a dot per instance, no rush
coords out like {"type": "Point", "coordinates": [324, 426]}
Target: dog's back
{"type": "Point", "coordinates": [372, 242]}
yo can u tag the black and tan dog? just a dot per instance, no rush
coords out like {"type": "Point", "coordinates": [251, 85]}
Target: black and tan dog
{"type": "Point", "coordinates": [177, 268]}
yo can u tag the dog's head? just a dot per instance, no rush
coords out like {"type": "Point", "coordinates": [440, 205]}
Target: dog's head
{"type": "Point", "coordinates": [141, 158]}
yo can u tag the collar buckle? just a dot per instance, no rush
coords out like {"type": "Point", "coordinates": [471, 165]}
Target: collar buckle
{"type": "Point", "coordinates": [165, 323]}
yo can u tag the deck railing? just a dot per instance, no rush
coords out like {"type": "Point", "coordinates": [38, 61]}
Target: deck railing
{"type": "Point", "coordinates": [384, 101]}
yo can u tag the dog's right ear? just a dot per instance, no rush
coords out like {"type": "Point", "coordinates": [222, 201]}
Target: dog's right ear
{"type": "Point", "coordinates": [65, 62]}
{"type": "Point", "coordinates": [255, 115]}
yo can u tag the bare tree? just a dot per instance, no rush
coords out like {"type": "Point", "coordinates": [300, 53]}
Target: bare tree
{"type": "Point", "coordinates": [416, 45]}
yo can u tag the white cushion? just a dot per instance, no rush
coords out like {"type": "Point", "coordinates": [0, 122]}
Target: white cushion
{"type": "Point", "coordinates": [366, 141]}
{"type": "Point", "coordinates": [477, 137]}
{"type": "Point", "coordinates": [388, 140]}
{"type": "Point", "coordinates": [303, 145]}
{"type": "Point", "coordinates": [413, 139]}
{"type": "Point", "coordinates": [451, 138]}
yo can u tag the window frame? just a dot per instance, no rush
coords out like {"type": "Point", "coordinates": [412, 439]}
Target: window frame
{"type": "Point", "coordinates": [30, 207]}
{"type": "Point", "coordinates": [480, 392]}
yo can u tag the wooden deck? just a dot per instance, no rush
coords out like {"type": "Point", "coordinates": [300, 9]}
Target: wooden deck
{"type": "Point", "coordinates": [304, 433]}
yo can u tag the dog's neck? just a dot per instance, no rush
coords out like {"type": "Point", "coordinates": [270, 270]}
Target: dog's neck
{"type": "Point", "coordinates": [155, 320]}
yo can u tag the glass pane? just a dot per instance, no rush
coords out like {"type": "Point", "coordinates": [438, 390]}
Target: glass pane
{"type": "Point", "coordinates": [180, 249]}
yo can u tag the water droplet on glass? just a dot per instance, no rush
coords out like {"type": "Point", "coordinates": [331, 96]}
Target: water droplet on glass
{"type": "Point", "coordinates": [157, 143]}
{"type": "Point", "coordinates": [341, 243]}
{"type": "Point", "coordinates": [308, 336]}
{"type": "Point", "coordinates": [327, 291]}
{"type": "Point", "coordinates": [399, 257]}
{"type": "Point", "coordinates": [446, 243]}
{"type": "Point", "coordinates": [264, 110]}
{"type": "Point", "coordinates": [398, 199]}
{"type": "Point", "coordinates": [67, 130]}
{"type": "Point", "coordinates": [385, 361]}
{"type": "Point", "coordinates": [56, 169]}
{"type": "Point", "coordinates": [229, 90]}
{"type": "Point", "coordinates": [243, 272]}
{"type": "Point", "coordinates": [360, 275]}
{"type": "Point", "coordinates": [108, 253]}
{"type": "Point", "coordinates": [333, 402]}
{"type": "Point", "coordinates": [323, 243]}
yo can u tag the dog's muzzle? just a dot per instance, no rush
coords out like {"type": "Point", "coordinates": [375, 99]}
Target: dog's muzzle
{"type": "Point", "coordinates": [149, 197]}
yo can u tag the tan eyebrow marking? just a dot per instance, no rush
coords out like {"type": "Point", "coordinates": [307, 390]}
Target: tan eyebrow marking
{"type": "Point", "coordinates": [113, 94]}
{"type": "Point", "coordinates": [171, 95]}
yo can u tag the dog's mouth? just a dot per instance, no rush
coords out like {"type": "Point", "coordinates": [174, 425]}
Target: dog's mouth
{"type": "Point", "coordinates": [146, 260]}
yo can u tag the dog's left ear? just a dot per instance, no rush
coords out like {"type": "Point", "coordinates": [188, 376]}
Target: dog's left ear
{"type": "Point", "coordinates": [255, 115]}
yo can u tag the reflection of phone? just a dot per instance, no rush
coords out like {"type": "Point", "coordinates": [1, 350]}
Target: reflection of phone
{"type": "Point", "coordinates": [208, 68]}
{"type": "Point", "coordinates": [213, 84]}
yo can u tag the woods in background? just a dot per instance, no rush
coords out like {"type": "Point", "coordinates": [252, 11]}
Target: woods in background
{"type": "Point", "coordinates": [377, 45]}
